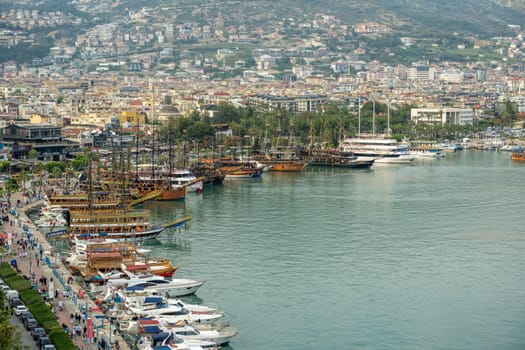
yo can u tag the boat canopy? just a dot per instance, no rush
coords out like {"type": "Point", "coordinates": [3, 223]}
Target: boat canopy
{"type": "Point", "coordinates": [160, 337]}
{"type": "Point", "coordinates": [152, 329]}
{"type": "Point", "coordinates": [152, 300]}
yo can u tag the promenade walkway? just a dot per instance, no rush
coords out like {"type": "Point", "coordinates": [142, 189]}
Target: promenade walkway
{"type": "Point", "coordinates": [36, 260]}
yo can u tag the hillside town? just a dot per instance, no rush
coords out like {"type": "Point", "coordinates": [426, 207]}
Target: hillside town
{"type": "Point", "coordinates": [300, 144]}
{"type": "Point", "coordinates": [138, 65]}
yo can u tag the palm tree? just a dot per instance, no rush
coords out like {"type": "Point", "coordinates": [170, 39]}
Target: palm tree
{"type": "Point", "coordinates": [24, 177]}
{"type": "Point", "coordinates": [11, 186]}
{"type": "Point", "coordinates": [40, 167]}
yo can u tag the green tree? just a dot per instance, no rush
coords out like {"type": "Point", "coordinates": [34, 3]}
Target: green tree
{"type": "Point", "coordinates": [79, 162]}
{"type": "Point", "coordinates": [57, 172]}
{"type": "Point", "coordinates": [24, 177]}
{"type": "Point", "coordinates": [11, 185]}
{"type": "Point", "coordinates": [199, 131]}
{"type": "Point", "coordinates": [508, 116]}
{"type": "Point", "coordinates": [10, 338]}
{"type": "Point", "coordinates": [33, 153]}
{"type": "Point", "coordinates": [4, 166]}
{"type": "Point", "coordinates": [227, 113]}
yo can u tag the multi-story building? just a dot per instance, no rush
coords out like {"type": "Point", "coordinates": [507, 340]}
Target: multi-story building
{"type": "Point", "coordinates": [300, 103]}
{"type": "Point", "coordinates": [421, 73]}
{"type": "Point", "coordinates": [442, 116]}
{"type": "Point", "coordinates": [44, 138]}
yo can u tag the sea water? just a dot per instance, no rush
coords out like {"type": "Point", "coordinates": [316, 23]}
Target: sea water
{"type": "Point", "coordinates": [424, 256]}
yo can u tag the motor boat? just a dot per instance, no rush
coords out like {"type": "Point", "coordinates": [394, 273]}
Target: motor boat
{"type": "Point", "coordinates": [167, 341]}
{"type": "Point", "coordinates": [217, 335]}
{"type": "Point", "coordinates": [157, 284]}
{"type": "Point", "coordinates": [174, 313]}
{"type": "Point", "coordinates": [141, 301]}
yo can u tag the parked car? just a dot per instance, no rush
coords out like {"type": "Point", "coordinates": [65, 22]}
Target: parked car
{"type": "Point", "coordinates": [11, 293]}
{"type": "Point", "coordinates": [38, 332]}
{"type": "Point", "coordinates": [32, 325]}
{"type": "Point", "coordinates": [24, 315]}
{"type": "Point", "coordinates": [48, 347]}
{"type": "Point", "coordinates": [28, 320]}
{"type": "Point", "coordinates": [19, 309]}
{"type": "Point", "coordinates": [43, 341]}
{"type": "Point", "coordinates": [14, 302]}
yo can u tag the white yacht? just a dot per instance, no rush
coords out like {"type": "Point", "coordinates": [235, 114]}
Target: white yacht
{"type": "Point", "coordinates": [157, 284]}
{"type": "Point", "coordinates": [382, 150]}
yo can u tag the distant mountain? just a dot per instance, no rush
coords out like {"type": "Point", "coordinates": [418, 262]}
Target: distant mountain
{"type": "Point", "coordinates": [424, 18]}
{"type": "Point", "coordinates": [447, 24]}
{"type": "Point", "coordinates": [485, 18]}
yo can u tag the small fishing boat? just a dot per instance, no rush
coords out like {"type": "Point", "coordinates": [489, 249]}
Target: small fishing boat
{"type": "Point", "coordinates": [160, 268]}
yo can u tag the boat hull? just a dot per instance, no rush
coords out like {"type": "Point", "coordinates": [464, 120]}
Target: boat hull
{"type": "Point", "coordinates": [518, 156]}
{"type": "Point", "coordinates": [342, 162]}
{"type": "Point", "coordinates": [288, 166]}
{"type": "Point", "coordinates": [138, 236]}
{"type": "Point", "coordinates": [243, 174]}
{"type": "Point", "coordinates": [172, 194]}
{"type": "Point", "coordinates": [402, 159]}
{"type": "Point", "coordinates": [172, 291]}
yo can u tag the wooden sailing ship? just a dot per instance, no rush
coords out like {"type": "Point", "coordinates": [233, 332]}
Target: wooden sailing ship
{"type": "Point", "coordinates": [286, 161]}
{"type": "Point", "coordinates": [104, 255]}
{"type": "Point", "coordinates": [121, 223]}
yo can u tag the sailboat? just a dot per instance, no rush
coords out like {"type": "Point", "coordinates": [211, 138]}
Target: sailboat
{"type": "Point", "coordinates": [241, 167]}
{"type": "Point", "coordinates": [150, 181]}
{"type": "Point", "coordinates": [285, 159]}
{"type": "Point", "coordinates": [121, 223]}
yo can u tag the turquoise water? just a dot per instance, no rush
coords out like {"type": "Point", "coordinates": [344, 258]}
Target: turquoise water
{"type": "Point", "coordinates": [429, 256]}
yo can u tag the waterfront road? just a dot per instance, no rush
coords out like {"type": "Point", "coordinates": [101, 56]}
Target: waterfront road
{"type": "Point", "coordinates": [20, 227]}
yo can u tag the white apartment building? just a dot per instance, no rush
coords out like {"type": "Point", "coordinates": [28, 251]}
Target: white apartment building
{"type": "Point", "coordinates": [452, 76]}
{"type": "Point", "coordinates": [421, 73]}
{"type": "Point", "coordinates": [442, 116]}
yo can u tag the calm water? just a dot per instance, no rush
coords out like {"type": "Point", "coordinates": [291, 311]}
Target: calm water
{"type": "Point", "coordinates": [429, 256]}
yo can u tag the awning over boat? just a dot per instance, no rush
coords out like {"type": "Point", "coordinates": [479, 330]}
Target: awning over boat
{"type": "Point", "coordinates": [152, 329]}
{"type": "Point", "coordinates": [136, 267]}
{"type": "Point", "coordinates": [147, 321]}
{"type": "Point", "coordinates": [106, 255]}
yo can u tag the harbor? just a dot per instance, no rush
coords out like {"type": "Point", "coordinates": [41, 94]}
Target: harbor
{"type": "Point", "coordinates": [329, 239]}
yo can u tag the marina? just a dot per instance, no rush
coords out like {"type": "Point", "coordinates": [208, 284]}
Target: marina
{"type": "Point", "coordinates": [355, 243]}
